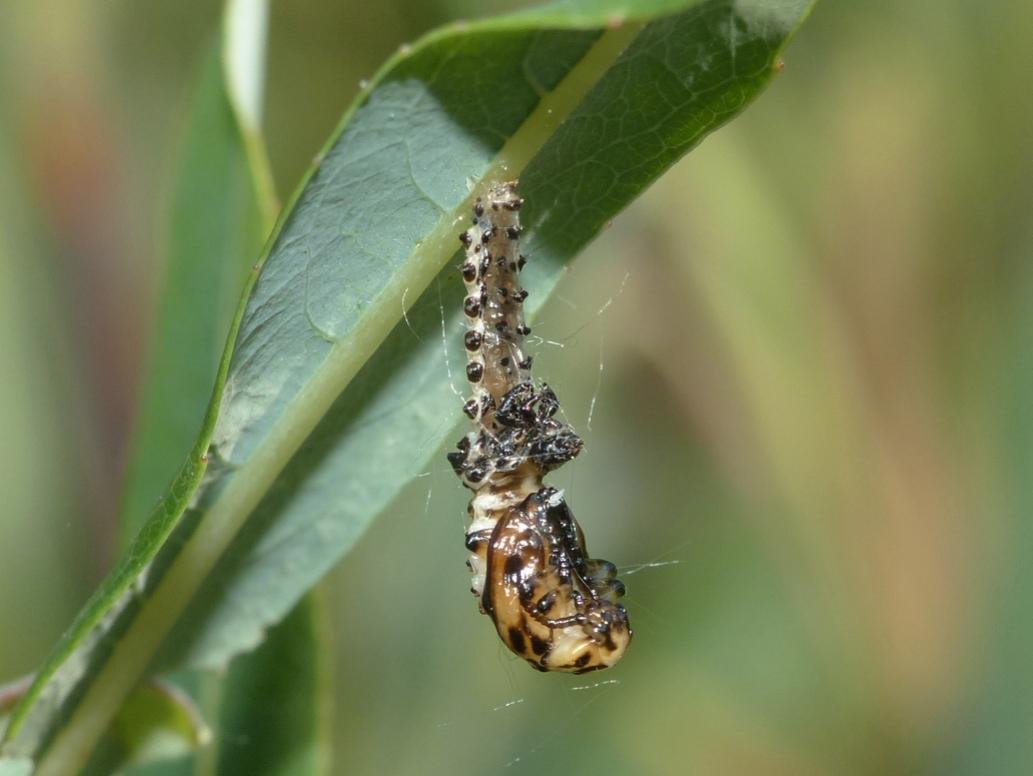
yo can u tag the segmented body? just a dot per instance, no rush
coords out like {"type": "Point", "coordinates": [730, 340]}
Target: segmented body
{"type": "Point", "coordinates": [551, 604]}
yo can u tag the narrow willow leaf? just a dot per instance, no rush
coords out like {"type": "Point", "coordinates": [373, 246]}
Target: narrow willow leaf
{"type": "Point", "coordinates": [222, 212]}
{"type": "Point", "coordinates": [328, 406]}
{"type": "Point", "coordinates": [275, 701]}
{"type": "Point", "coordinates": [381, 432]}
{"type": "Point", "coordinates": [217, 225]}
{"type": "Point", "coordinates": [215, 231]}
{"type": "Point", "coordinates": [997, 735]}
{"type": "Point", "coordinates": [157, 721]}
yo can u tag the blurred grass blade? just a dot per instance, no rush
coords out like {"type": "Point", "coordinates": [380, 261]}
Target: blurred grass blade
{"type": "Point", "coordinates": [324, 406]}
{"type": "Point", "coordinates": [245, 33]}
{"type": "Point", "coordinates": [998, 734]}
{"type": "Point", "coordinates": [245, 37]}
{"type": "Point", "coordinates": [216, 229]}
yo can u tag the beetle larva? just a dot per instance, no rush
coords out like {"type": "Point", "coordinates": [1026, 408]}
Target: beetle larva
{"type": "Point", "coordinates": [551, 604]}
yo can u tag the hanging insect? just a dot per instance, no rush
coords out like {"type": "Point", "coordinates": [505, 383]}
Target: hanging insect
{"type": "Point", "coordinates": [551, 604]}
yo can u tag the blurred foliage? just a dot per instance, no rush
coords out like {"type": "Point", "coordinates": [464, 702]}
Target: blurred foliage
{"type": "Point", "coordinates": [820, 410]}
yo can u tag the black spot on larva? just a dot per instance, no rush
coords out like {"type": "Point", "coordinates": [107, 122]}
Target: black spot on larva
{"type": "Point", "coordinates": [478, 209]}
{"type": "Point", "coordinates": [495, 206]}
{"type": "Point", "coordinates": [539, 646]}
{"type": "Point", "coordinates": [522, 261]}
{"type": "Point", "coordinates": [503, 292]}
{"type": "Point", "coordinates": [504, 361]}
{"type": "Point", "coordinates": [520, 295]}
{"type": "Point", "coordinates": [463, 444]}
{"type": "Point", "coordinates": [512, 266]}
{"type": "Point", "coordinates": [456, 459]}
{"type": "Point", "coordinates": [477, 248]}
{"type": "Point", "coordinates": [469, 272]}
{"type": "Point", "coordinates": [487, 234]}
{"type": "Point", "coordinates": [513, 232]}
{"type": "Point", "coordinates": [473, 340]}
{"type": "Point", "coordinates": [474, 371]}
{"type": "Point", "coordinates": [464, 238]}
{"type": "Point", "coordinates": [516, 638]}
{"type": "Point", "coordinates": [475, 474]}
{"type": "Point", "coordinates": [526, 363]}
{"type": "Point", "coordinates": [472, 306]}
{"type": "Point", "coordinates": [523, 329]}
{"type": "Point", "coordinates": [473, 541]}
{"type": "Point", "coordinates": [485, 262]}
{"type": "Point", "coordinates": [514, 564]}
{"type": "Point", "coordinates": [513, 204]}
{"type": "Point", "coordinates": [501, 327]}
{"type": "Point", "coordinates": [582, 661]}
{"type": "Point", "coordinates": [470, 409]}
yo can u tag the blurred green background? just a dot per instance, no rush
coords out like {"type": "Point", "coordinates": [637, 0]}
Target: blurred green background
{"type": "Point", "coordinates": [801, 362]}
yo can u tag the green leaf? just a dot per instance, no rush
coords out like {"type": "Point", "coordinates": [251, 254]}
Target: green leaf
{"type": "Point", "coordinates": [326, 404]}
{"type": "Point", "coordinates": [157, 721]}
{"type": "Point", "coordinates": [216, 230]}
{"type": "Point", "coordinates": [222, 211]}
{"type": "Point", "coordinates": [627, 120]}
{"type": "Point", "coordinates": [275, 702]}
{"type": "Point", "coordinates": [220, 216]}
{"type": "Point", "coordinates": [216, 227]}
